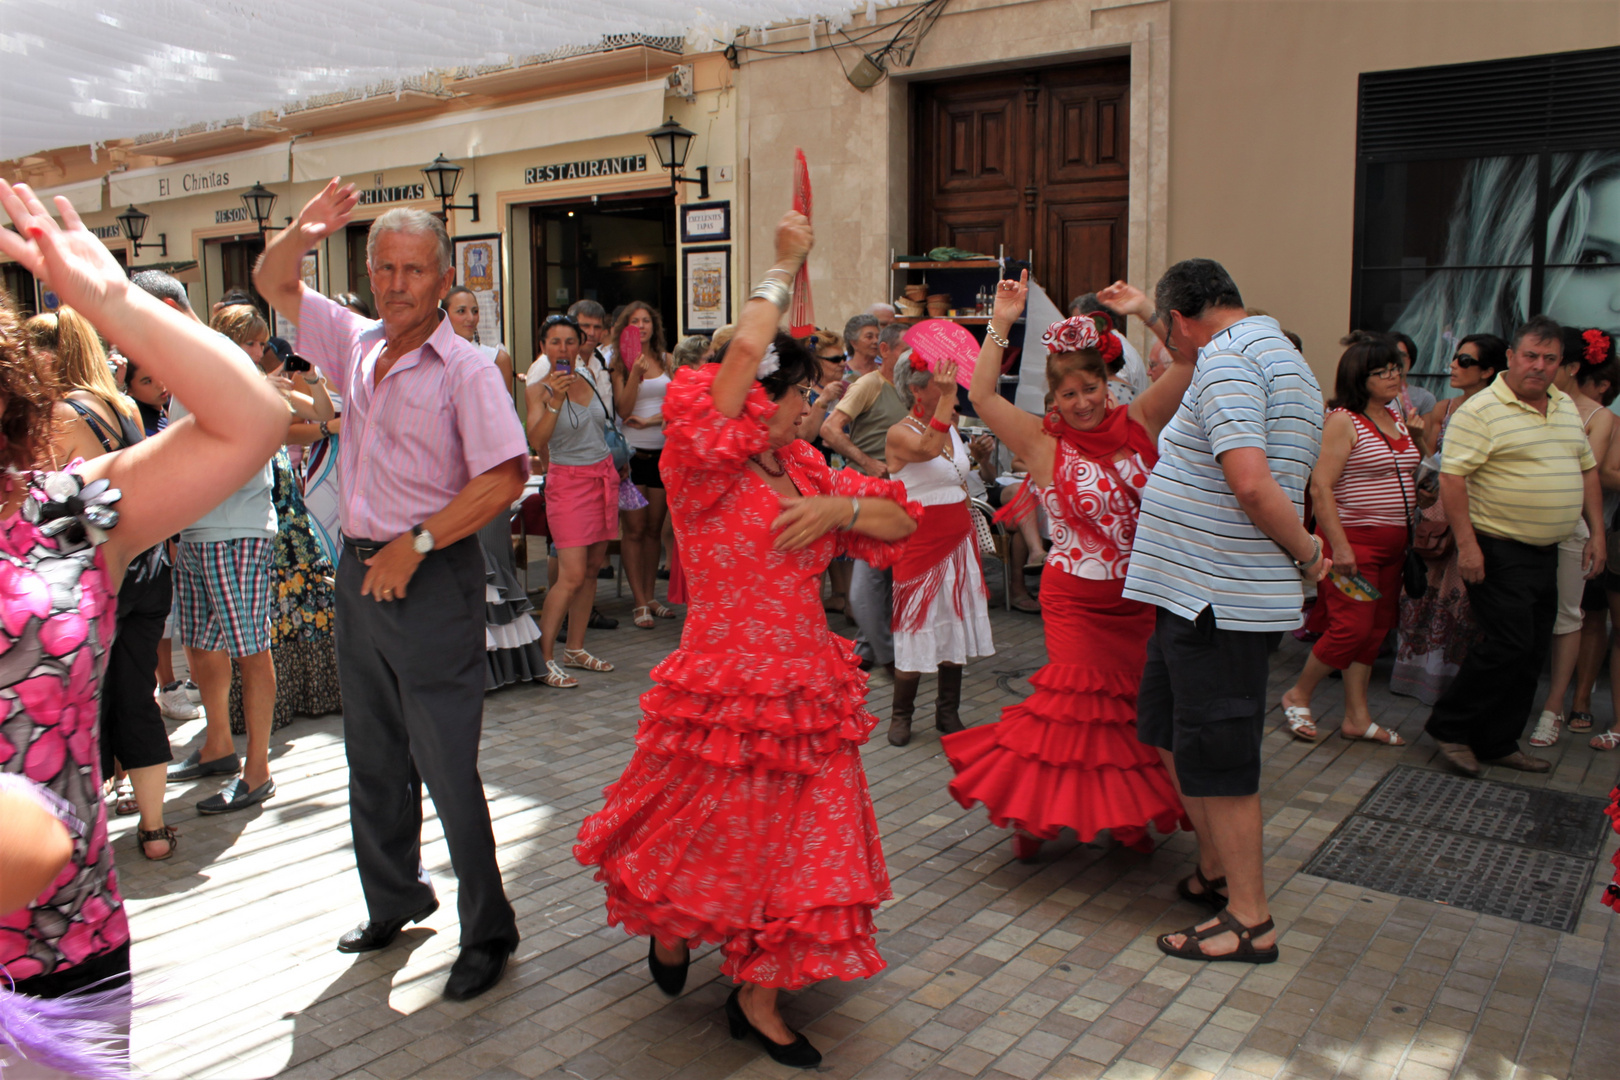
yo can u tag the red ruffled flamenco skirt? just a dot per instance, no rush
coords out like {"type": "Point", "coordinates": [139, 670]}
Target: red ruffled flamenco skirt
{"type": "Point", "coordinates": [1067, 756]}
{"type": "Point", "coordinates": [744, 817]}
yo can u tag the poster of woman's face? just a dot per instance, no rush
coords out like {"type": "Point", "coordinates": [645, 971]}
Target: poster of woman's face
{"type": "Point", "coordinates": [1448, 247]}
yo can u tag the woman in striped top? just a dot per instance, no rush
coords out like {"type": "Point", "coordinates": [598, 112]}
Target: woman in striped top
{"type": "Point", "coordinates": [1363, 493]}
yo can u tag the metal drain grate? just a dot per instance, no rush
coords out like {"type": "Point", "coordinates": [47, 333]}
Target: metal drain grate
{"type": "Point", "coordinates": [1519, 853]}
{"type": "Point", "coordinates": [1544, 820]}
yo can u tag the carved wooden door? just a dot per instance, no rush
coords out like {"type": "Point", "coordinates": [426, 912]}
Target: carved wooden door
{"type": "Point", "coordinates": [1037, 161]}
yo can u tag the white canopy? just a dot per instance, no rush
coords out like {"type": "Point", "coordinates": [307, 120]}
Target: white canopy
{"type": "Point", "coordinates": [86, 71]}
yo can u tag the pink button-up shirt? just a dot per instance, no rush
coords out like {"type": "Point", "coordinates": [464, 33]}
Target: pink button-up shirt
{"type": "Point", "coordinates": [412, 441]}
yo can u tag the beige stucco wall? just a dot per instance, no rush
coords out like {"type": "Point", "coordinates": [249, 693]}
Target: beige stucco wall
{"type": "Point", "coordinates": [191, 222]}
{"type": "Point", "coordinates": [1263, 128]}
{"type": "Point", "coordinates": [857, 143]}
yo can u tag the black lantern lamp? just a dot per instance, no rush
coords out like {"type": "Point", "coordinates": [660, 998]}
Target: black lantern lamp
{"type": "Point", "coordinates": [133, 224]}
{"type": "Point", "coordinates": [442, 177]}
{"type": "Point", "coordinates": [259, 200]}
{"type": "Point", "coordinates": [671, 142]}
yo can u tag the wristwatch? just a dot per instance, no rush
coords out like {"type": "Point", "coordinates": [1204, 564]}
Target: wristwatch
{"type": "Point", "coordinates": [422, 540]}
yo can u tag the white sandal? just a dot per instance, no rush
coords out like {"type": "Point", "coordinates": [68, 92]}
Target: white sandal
{"type": "Point", "coordinates": [556, 676]}
{"type": "Point", "coordinates": [581, 659]}
{"type": "Point", "coordinates": [1376, 734]}
{"type": "Point", "coordinates": [1606, 741]}
{"type": "Point", "coordinates": [1300, 724]}
{"type": "Point", "coordinates": [1548, 726]}
{"type": "Point", "coordinates": [642, 616]}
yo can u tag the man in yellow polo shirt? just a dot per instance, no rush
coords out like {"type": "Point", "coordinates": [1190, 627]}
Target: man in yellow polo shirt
{"type": "Point", "coordinates": [1517, 475]}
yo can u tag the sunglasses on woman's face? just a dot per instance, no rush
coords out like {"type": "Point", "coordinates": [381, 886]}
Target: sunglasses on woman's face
{"type": "Point", "coordinates": [1463, 360]}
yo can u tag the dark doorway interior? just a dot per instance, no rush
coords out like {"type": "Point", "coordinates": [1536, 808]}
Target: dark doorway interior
{"type": "Point", "coordinates": [359, 279]}
{"type": "Point", "coordinates": [236, 259]}
{"type": "Point", "coordinates": [1037, 161]}
{"type": "Point", "coordinates": [20, 284]}
{"type": "Point", "coordinates": [612, 251]}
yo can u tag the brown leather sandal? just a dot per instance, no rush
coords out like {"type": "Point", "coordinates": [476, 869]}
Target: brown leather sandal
{"type": "Point", "coordinates": [167, 833]}
{"type": "Point", "coordinates": [1209, 897]}
{"type": "Point", "coordinates": [1225, 922]}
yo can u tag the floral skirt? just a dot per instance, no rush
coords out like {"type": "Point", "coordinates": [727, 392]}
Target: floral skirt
{"type": "Point", "coordinates": [744, 817]}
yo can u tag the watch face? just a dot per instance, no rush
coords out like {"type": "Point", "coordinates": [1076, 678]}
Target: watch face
{"type": "Point", "coordinates": [423, 542]}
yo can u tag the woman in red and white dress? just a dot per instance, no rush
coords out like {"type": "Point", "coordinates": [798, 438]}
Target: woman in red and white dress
{"type": "Point", "coordinates": [1364, 495]}
{"type": "Point", "coordinates": [744, 816]}
{"type": "Point", "coordinates": [1067, 756]}
{"type": "Point", "coordinates": [941, 615]}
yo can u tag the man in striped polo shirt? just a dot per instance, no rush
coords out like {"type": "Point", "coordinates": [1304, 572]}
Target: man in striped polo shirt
{"type": "Point", "coordinates": [1219, 550]}
{"type": "Point", "coordinates": [1516, 476]}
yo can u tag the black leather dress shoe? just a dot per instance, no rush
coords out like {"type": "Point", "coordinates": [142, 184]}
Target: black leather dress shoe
{"type": "Point", "coordinates": [478, 968]}
{"type": "Point", "coordinates": [374, 934]}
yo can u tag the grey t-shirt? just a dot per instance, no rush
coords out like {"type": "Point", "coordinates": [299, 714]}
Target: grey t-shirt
{"type": "Point", "coordinates": [246, 513]}
{"type": "Point", "coordinates": [577, 439]}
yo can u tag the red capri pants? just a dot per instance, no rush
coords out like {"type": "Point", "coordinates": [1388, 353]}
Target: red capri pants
{"type": "Point", "coordinates": [1356, 629]}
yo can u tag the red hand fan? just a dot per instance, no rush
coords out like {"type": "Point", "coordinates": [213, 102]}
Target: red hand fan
{"type": "Point", "coordinates": [801, 320]}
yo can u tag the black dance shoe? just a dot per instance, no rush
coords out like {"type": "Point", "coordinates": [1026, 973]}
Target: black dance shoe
{"type": "Point", "coordinates": [374, 934]}
{"type": "Point", "coordinates": [798, 1054]}
{"type": "Point", "coordinates": [671, 978]}
{"type": "Point", "coordinates": [478, 968]}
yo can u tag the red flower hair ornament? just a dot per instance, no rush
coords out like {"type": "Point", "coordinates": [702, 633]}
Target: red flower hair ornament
{"type": "Point", "coordinates": [1598, 346]}
{"type": "Point", "coordinates": [1079, 333]}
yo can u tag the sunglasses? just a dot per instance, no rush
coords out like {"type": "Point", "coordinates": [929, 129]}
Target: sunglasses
{"type": "Point", "coordinates": [1463, 360]}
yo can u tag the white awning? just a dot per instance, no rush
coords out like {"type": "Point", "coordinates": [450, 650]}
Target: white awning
{"type": "Point", "coordinates": [85, 197]}
{"type": "Point", "coordinates": [229, 172]}
{"type": "Point", "coordinates": [599, 114]}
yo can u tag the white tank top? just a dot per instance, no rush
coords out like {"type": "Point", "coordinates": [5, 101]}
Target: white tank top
{"type": "Point", "coordinates": [649, 402]}
{"type": "Point", "coordinates": [939, 480]}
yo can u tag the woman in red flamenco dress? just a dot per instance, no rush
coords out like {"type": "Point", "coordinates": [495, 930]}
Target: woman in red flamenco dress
{"type": "Point", "coordinates": [744, 816]}
{"type": "Point", "coordinates": [1068, 756]}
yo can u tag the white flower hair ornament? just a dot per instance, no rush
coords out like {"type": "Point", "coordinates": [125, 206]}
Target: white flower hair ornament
{"type": "Point", "coordinates": [1071, 335]}
{"type": "Point", "coordinates": [768, 363]}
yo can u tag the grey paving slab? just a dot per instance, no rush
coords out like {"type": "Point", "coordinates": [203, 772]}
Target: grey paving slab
{"type": "Point", "coordinates": [997, 969]}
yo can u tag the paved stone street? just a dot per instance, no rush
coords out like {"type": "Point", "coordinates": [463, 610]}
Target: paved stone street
{"type": "Point", "coordinates": [996, 969]}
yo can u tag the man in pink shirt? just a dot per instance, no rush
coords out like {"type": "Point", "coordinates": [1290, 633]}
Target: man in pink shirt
{"type": "Point", "coordinates": [431, 451]}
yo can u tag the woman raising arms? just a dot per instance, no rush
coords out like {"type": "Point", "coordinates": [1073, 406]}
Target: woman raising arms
{"type": "Point", "coordinates": [1068, 755]}
{"type": "Point", "coordinates": [66, 540]}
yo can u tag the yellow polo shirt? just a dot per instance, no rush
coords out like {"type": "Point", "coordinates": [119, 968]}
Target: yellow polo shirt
{"type": "Point", "coordinates": [1523, 468]}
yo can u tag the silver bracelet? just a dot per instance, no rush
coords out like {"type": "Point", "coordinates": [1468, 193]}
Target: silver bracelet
{"type": "Point", "coordinates": [856, 504]}
{"type": "Point", "coordinates": [995, 337]}
{"type": "Point", "coordinates": [772, 290]}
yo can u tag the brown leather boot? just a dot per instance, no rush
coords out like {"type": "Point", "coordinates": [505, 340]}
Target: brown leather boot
{"type": "Point", "coordinates": [905, 702]}
{"type": "Point", "coordinates": [949, 700]}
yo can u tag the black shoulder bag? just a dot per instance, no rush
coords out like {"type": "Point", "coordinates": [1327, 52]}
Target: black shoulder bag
{"type": "Point", "coordinates": [1414, 571]}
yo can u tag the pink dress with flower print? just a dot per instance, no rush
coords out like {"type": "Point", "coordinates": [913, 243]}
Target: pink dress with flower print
{"type": "Point", "coordinates": [57, 618]}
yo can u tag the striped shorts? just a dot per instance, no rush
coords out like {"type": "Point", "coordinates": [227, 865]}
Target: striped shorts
{"type": "Point", "coordinates": [224, 594]}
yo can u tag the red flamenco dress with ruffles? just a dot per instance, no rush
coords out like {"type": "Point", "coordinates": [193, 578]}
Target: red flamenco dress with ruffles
{"type": "Point", "coordinates": [744, 816]}
{"type": "Point", "coordinates": [1068, 756]}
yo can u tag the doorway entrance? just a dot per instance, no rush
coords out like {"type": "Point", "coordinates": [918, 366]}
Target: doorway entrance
{"type": "Point", "coordinates": [1036, 161]}
{"type": "Point", "coordinates": [611, 250]}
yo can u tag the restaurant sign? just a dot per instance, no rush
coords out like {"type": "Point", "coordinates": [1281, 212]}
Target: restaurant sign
{"type": "Point", "coordinates": [583, 170]}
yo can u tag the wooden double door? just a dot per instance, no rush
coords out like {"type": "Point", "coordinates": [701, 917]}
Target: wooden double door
{"type": "Point", "coordinates": [1036, 161]}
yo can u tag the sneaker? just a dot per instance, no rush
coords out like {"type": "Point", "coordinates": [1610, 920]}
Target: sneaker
{"type": "Point", "coordinates": [176, 704]}
{"type": "Point", "coordinates": [1547, 726]}
{"type": "Point", "coordinates": [193, 691]}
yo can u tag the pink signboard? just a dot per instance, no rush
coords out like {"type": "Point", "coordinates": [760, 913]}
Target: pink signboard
{"type": "Point", "coordinates": [933, 340]}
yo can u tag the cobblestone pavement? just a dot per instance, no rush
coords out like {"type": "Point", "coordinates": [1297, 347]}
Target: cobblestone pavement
{"type": "Point", "coordinates": [996, 969]}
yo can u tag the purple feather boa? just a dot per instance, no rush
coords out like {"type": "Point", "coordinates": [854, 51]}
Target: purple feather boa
{"type": "Point", "coordinates": [84, 1034]}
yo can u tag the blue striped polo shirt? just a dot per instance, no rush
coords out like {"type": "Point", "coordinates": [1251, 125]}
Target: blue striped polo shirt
{"type": "Point", "coordinates": [1195, 547]}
